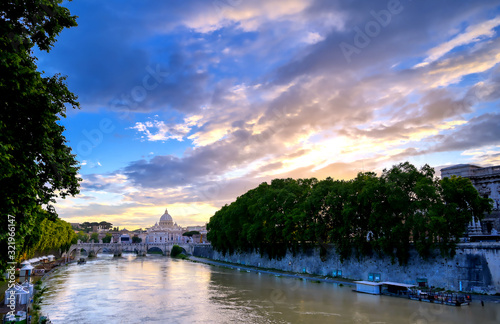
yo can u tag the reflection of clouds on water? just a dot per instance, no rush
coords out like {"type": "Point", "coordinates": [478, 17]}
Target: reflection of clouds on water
{"type": "Point", "coordinates": [360, 318]}
{"type": "Point", "coordinates": [319, 313]}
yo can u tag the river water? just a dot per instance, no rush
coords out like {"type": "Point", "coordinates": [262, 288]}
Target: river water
{"type": "Point", "coordinates": [158, 289]}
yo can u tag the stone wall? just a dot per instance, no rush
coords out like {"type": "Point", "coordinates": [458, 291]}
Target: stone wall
{"type": "Point", "coordinates": [475, 267]}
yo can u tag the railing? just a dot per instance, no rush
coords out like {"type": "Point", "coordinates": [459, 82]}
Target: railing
{"type": "Point", "coordinates": [485, 171]}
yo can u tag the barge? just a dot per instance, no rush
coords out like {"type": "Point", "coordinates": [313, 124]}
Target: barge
{"type": "Point", "coordinates": [412, 292]}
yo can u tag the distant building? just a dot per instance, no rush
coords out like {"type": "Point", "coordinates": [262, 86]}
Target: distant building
{"type": "Point", "coordinates": [198, 238]}
{"type": "Point", "coordinates": [165, 231]}
{"type": "Point", "coordinates": [196, 228]}
{"type": "Point", "coordinates": [125, 238]}
{"type": "Point", "coordinates": [487, 182]}
{"type": "Point", "coordinates": [101, 229]}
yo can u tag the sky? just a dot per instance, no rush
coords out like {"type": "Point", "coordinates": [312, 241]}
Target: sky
{"type": "Point", "coordinates": [186, 105]}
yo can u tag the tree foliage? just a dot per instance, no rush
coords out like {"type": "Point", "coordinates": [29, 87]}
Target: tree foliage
{"type": "Point", "coordinates": [176, 250]}
{"type": "Point", "coordinates": [56, 234]}
{"type": "Point", "coordinates": [36, 165]}
{"type": "Point", "coordinates": [82, 236]}
{"type": "Point", "coordinates": [94, 237]}
{"type": "Point", "coordinates": [107, 238]}
{"type": "Point", "coordinates": [88, 226]}
{"type": "Point", "coordinates": [47, 235]}
{"type": "Point", "coordinates": [385, 215]}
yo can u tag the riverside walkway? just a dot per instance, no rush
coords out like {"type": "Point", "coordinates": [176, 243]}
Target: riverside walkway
{"type": "Point", "coordinates": [303, 276]}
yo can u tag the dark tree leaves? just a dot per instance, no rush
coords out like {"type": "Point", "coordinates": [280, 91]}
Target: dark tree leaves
{"type": "Point", "coordinates": [36, 165]}
{"type": "Point", "coordinates": [387, 215]}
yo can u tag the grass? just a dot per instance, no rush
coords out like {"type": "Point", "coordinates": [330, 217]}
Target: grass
{"type": "Point", "coordinates": [3, 287]}
{"type": "Point", "coordinates": [37, 298]}
{"type": "Point", "coordinates": [181, 256]}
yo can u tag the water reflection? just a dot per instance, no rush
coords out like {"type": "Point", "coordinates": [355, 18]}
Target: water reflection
{"type": "Point", "coordinates": [157, 289]}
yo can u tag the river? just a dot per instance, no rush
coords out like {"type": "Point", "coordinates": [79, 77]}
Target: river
{"type": "Point", "coordinates": [158, 289]}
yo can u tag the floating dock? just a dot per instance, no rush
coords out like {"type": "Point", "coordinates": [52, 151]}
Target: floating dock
{"type": "Point", "coordinates": [412, 292]}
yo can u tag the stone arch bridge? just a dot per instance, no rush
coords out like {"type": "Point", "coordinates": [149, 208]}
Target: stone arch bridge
{"type": "Point", "coordinates": [118, 248]}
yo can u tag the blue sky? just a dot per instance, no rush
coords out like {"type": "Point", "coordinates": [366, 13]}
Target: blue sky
{"type": "Point", "coordinates": [188, 104]}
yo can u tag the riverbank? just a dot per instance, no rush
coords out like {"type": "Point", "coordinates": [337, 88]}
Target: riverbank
{"type": "Point", "coordinates": [276, 272]}
{"type": "Point", "coordinates": [477, 298]}
{"type": "Point", "coordinates": [34, 311]}
{"type": "Point", "coordinates": [474, 269]}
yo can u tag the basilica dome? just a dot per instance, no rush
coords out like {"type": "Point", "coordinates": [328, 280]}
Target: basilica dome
{"type": "Point", "coordinates": [166, 220]}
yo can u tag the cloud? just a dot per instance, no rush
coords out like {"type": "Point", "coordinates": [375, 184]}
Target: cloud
{"type": "Point", "coordinates": [252, 90]}
{"type": "Point", "coordinates": [248, 15]}
{"type": "Point", "coordinates": [486, 156]}
{"type": "Point", "coordinates": [480, 131]}
{"type": "Point", "coordinates": [164, 132]}
{"type": "Point", "coordinates": [112, 182]}
{"type": "Point", "coordinates": [390, 46]}
{"type": "Point", "coordinates": [472, 34]}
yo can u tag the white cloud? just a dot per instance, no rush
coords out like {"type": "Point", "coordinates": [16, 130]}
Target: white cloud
{"type": "Point", "coordinates": [472, 34]}
{"type": "Point", "coordinates": [313, 38]}
{"type": "Point", "coordinates": [159, 131]}
{"type": "Point", "coordinates": [249, 15]}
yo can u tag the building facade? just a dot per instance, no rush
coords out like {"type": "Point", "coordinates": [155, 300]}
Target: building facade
{"type": "Point", "coordinates": [165, 231]}
{"type": "Point", "coordinates": [487, 182]}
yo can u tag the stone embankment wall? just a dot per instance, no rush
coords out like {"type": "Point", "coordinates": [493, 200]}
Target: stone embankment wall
{"type": "Point", "coordinates": [475, 267]}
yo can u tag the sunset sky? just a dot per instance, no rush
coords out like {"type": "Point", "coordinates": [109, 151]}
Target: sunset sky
{"type": "Point", "coordinates": [186, 105]}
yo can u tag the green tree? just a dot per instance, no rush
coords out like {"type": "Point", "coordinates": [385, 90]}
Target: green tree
{"type": "Point", "coordinates": [85, 226]}
{"type": "Point", "coordinates": [331, 200]}
{"type": "Point", "coordinates": [36, 165]}
{"type": "Point", "coordinates": [368, 214]}
{"type": "Point", "coordinates": [136, 239]}
{"type": "Point", "coordinates": [82, 236]}
{"type": "Point", "coordinates": [105, 225]}
{"type": "Point", "coordinates": [94, 237]}
{"type": "Point", "coordinates": [460, 202]}
{"type": "Point", "coordinates": [107, 238]}
{"type": "Point", "coordinates": [56, 234]}
{"type": "Point", "coordinates": [176, 250]}
{"type": "Point", "coordinates": [397, 210]}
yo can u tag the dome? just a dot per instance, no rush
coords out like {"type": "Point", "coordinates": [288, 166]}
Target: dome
{"type": "Point", "coordinates": [166, 220]}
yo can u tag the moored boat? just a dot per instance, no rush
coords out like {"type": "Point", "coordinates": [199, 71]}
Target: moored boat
{"type": "Point", "coordinates": [412, 292]}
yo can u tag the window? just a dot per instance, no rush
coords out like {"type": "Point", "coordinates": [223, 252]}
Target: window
{"type": "Point", "coordinates": [374, 277]}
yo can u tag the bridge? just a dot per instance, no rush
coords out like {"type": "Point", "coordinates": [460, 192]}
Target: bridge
{"type": "Point", "coordinates": [118, 248]}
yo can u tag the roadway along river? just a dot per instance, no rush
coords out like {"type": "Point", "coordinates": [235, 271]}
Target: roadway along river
{"type": "Point", "coordinates": [157, 289]}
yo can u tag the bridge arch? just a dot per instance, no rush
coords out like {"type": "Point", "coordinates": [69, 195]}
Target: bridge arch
{"type": "Point", "coordinates": [150, 249]}
{"type": "Point", "coordinates": [116, 248]}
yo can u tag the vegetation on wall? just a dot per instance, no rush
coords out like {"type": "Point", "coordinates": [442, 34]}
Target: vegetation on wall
{"type": "Point", "coordinates": [48, 236]}
{"type": "Point", "coordinates": [385, 215]}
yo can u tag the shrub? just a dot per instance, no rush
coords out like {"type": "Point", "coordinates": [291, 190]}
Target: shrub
{"type": "Point", "coordinates": [176, 250]}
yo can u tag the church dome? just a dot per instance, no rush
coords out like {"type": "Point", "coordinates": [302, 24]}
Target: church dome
{"type": "Point", "coordinates": [166, 220]}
